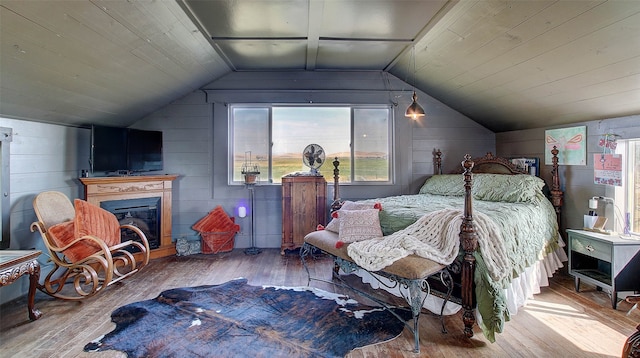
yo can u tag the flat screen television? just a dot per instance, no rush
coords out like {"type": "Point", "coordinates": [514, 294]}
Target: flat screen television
{"type": "Point", "coordinates": [144, 150]}
{"type": "Point", "coordinates": [108, 149]}
{"type": "Point", "coordinates": [116, 149]}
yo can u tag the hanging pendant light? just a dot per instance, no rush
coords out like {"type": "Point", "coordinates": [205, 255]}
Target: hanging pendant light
{"type": "Point", "coordinates": [414, 111]}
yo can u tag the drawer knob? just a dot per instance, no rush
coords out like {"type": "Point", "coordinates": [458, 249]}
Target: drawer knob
{"type": "Point", "coordinates": [590, 248]}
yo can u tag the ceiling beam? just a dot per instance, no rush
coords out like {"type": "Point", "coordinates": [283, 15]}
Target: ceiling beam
{"type": "Point", "coordinates": [316, 12]}
{"type": "Point", "coordinates": [189, 12]}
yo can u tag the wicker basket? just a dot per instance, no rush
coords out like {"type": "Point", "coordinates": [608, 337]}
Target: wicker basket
{"type": "Point", "coordinates": [214, 242]}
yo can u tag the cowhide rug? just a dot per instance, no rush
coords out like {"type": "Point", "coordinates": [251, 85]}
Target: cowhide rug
{"type": "Point", "coordinates": [235, 319]}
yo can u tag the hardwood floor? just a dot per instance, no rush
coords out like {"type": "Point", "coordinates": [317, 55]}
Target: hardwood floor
{"type": "Point", "coordinates": [557, 323]}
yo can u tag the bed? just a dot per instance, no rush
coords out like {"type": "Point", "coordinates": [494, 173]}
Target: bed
{"type": "Point", "coordinates": [493, 228]}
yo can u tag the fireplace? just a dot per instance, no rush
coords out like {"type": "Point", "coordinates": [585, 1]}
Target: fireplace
{"type": "Point", "coordinates": [143, 213]}
{"type": "Point", "coordinates": [122, 189]}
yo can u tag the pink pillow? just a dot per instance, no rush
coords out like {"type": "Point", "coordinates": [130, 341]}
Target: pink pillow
{"type": "Point", "coordinates": [93, 220]}
{"type": "Point", "coordinates": [358, 225]}
{"type": "Point", "coordinates": [334, 224]}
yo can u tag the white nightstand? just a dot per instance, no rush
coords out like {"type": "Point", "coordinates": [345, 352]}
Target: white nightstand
{"type": "Point", "coordinates": [606, 261]}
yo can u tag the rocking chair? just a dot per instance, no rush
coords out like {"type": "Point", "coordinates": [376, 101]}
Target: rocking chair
{"type": "Point", "coordinates": [84, 244]}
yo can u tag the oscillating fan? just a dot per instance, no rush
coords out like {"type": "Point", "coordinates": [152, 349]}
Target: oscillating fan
{"type": "Point", "coordinates": [313, 157]}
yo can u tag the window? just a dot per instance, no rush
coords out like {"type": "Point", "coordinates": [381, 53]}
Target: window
{"type": "Point", "coordinates": [627, 197]}
{"type": "Point", "coordinates": [274, 137]}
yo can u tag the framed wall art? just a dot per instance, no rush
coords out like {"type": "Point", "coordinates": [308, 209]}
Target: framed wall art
{"type": "Point", "coordinates": [571, 143]}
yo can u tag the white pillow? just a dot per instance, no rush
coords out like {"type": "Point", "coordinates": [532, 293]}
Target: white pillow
{"type": "Point", "coordinates": [334, 224]}
{"type": "Point", "coordinates": [358, 225]}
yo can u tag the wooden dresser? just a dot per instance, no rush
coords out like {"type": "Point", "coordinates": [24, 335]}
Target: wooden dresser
{"type": "Point", "coordinates": [304, 206]}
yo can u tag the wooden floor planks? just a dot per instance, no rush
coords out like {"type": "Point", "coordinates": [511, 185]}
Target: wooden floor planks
{"type": "Point", "coordinates": [558, 322]}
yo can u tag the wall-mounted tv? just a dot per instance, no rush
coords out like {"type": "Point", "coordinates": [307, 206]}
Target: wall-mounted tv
{"type": "Point", "coordinates": [116, 149]}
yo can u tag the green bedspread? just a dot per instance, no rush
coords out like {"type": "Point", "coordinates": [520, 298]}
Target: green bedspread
{"type": "Point", "coordinates": [529, 230]}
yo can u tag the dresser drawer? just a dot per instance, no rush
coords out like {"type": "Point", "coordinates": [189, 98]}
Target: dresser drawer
{"type": "Point", "coordinates": [594, 248]}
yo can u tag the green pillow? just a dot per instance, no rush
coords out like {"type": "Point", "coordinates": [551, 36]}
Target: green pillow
{"type": "Point", "coordinates": [444, 184]}
{"type": "Point", "coordinates": [507, 188]}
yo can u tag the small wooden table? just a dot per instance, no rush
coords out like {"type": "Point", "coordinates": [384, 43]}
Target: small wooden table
{"type": "Point", "coordinates": [14, 264]}
{"type": "Point", "coordinates": [606, 261]}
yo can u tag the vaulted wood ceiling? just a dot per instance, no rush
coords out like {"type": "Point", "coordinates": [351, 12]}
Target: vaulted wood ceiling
{"type": "Point", "coordinates": [505, 64]}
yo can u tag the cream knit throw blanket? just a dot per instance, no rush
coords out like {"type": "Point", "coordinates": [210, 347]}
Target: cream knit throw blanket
{"type": "Point", "coordinates": [434, 236]}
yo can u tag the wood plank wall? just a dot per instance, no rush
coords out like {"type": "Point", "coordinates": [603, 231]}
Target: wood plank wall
{"type": "Point", "coordinates": [196, 138]}
{"type": "Point", "coordinates": [576, 181]}
{"type": "Point", "coordinates": [43, 157]}
{"type": "Point", "coordinates": [50, 157]}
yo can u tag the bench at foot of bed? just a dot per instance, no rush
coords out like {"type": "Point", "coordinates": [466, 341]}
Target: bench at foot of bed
{"type": "Point", "coordinates": [410, 274]}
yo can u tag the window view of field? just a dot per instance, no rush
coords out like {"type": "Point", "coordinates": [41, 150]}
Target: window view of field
{"type": "Point", "coordinates": [293, 128]}
{"type": "Point", "coordinates": [283, 165]}
{"type": "Point", "coordinates": [369, 167]}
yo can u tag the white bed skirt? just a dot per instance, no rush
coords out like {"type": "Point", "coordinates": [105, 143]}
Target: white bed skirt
{"type": "Point", "coordinates": [521, 288]}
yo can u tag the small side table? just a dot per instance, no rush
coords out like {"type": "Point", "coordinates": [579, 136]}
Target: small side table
{"type": "Point", "coordinates": [606, 261]}
{"type": "Point", "coordinates": [14, 264]}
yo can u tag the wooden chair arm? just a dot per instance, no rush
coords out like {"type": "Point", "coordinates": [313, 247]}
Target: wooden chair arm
{"type": "Point", "coordinates": [633, 299]}
{"type": "Point", "coordinates": [138, 232]}
{"type": "Point", "coordinates": [37, 225]}
{"type": "Point", "coordinates": [135, 229]}
{"type": "Point", "coordinates": [143, 238]}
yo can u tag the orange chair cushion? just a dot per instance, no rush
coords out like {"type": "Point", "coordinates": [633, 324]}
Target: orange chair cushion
{"type": "Point", "coordinates": [93, 220]}
{"type": "Point", "coordinates": [62, 234]}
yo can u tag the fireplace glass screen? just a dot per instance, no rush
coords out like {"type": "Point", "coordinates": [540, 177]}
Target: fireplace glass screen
{"type": "Point", "coordinates": [143, 213]}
